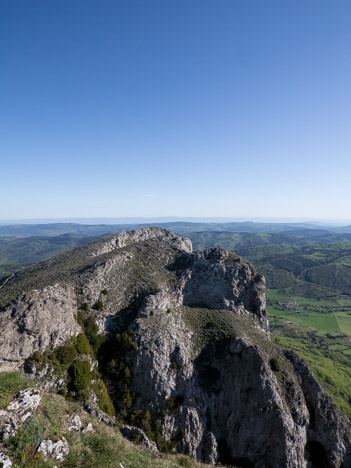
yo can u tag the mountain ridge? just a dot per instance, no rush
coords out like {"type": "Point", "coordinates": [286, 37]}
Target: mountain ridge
{"type": "Point", "coordinates": [188, 328]}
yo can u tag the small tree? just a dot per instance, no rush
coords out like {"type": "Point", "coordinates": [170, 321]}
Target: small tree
{"type": "Point", "coordinates": [81, 374]}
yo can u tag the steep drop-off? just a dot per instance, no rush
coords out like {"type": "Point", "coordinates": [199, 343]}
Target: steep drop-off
{"type": "Point", "coordinates": [185, 350]}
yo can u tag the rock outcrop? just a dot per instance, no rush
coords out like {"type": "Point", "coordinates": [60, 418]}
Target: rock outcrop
{"type": "Point", "coordinates": [5, 461]}
{"type": "Point", "coordinates": [56, 449]}
{"type": "Point", "coordinates": [200, 364]}
{"type": "Point", "coordinates": [21, 408]}
{"type": "Point", "coordinates": [138, 436]}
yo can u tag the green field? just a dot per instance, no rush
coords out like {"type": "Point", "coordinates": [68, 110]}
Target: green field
{"type": "Point", "coordinates": [320, 332]}
{"type": "Point", "coordinates": [326, 316]}
{"type": "Point", "coordinates": [344, 322]}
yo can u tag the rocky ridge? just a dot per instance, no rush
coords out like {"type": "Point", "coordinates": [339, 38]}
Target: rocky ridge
{"type": "Point", "coordinates": [213, 384]}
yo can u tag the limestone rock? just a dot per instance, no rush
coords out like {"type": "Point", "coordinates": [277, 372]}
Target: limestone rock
{"type": "Point", "coordinates": [76, 424]}
{"type": "Point", "coordinates": [37, 321]}
{"type": "Point", "coordinates": [136, 435]}
{"type": "Point", "coordinates": [57, 450]}
{"type": "Point", "coordinates": [5, 462]}
{"type": "Point", "coordinates": [22, 407]}
{"type": "Point", "coordinates": [202, 365]}
{"type": "Point", "coordinates": [93, 409]}
{"type": "Point", "coordinates": [329, 431]}
{"type": "Point", "coordinates": [219, 279]}
{"type": "Point", "coordinates": [122, 239]}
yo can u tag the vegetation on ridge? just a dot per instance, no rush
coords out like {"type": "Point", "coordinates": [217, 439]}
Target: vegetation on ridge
{"type": "Point", "coordinates": [104, 447]}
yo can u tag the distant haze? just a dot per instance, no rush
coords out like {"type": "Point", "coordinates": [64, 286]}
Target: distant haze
{"type": "Point", "coordinates": [170, 219]}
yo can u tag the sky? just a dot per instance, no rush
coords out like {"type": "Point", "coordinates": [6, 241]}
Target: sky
{"type": "Point", "coordinates": [188, 108]}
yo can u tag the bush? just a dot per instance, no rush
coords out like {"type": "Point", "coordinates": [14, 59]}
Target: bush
{"type": "Point", "coordinates": [99, 305]}
{"type": "Point", "coordinates": [274, 364]}
{"type": "Point", "coordinates": [80, 374]}
{"type": "Point", "coordinates": [104, 400]}
{"type": "Point", "coordinates": [36, 358]}
{"type": "Point", "coordinates": [63, 356]}
{"type": "Point", "coordinates": [82, 344]}
{"type": "Point", "coordinates": [91, 331]}
{"type": "Point", "coordinates": [127, 399]}
{"type": "Point", "coordinates": [174, 366]}
{"type": "Point", "coordinates": [104, 292]}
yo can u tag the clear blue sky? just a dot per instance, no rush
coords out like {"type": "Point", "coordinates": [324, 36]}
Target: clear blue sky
{"type": "Point", "coordinates": [175, 108]}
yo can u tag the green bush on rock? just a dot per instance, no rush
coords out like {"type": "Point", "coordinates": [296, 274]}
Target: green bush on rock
{"type": "Point", "coordinates": [81, 374]}
{"type": "Point", "coordinates": [82, 344]}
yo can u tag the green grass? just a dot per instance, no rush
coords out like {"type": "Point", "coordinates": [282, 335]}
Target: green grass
{"type": "Point", "coordinates": [104, 447]}
{"type": "Point", "coordinates": [327, 316]}
{"type": "Point", "coordinates": [344, 322]}
{"type": "Point", "coordinates": [210, 325]}
{"type": "Point", "coordinates": [318, 321]}
{"type": "Point", "coordinates": [10, 383]}
{"type": "Point", "coordinates": [327, 355]}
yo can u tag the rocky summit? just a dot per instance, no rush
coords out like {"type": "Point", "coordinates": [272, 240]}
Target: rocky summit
{"type": "Point", "coordinates": [175, 345]}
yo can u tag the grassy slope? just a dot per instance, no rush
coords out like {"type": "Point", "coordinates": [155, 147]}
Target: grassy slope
{"type": "Point", "coordinates": [320, 333]}
{"type": "Point", "coordinates": [104, 447]}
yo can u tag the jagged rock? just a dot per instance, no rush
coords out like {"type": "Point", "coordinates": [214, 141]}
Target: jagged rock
{"type": "Point", "coordinates": [93, 409]}
{"type": "Point", "coordinates": [219, 279]}
{"type": "Point", "coordinates": [202, 360]}
{"type": "Point", "coordinates": [22, 407]}
{"type": "Point", "coordinates": [37, 321]}
{"type": "Point", "coordinates": [5, 462]}
{"type": "Point", "coordinates": [58, 449]}
{"type": "Point", "coordinates": [329, 429]}
{"type": "Point", "coordinates": [117, 241]}
{"type": "Point", "coordinates": [44, 318]}
{"type": "Point", "coordinates": [76, 424]}
{"type": "Point", "coordinates": [136, 435]}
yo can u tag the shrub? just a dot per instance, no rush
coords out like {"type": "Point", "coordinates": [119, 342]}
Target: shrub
{"type": "Point", "coordinates": [80, 318]}
{"type": "Point", "coordinates": [92, 333]}
{"type": "Point", "coordinates": [36, 358]}
{"type": "Point", "coordinates": [63, 356]}
{"type": "Point", "coordinates": [104, 292]}
{"type": "Point", "coordinates": [123, 341]}
{"type": "Point", "coordinates": [274, 364]}
{"type": "Point", "coordinates": [85, 307]}
{"type": "Point", "coordinates": [82, 344]}
{"type": "Point", "coordinates": [99, 305]}
{"type": "Point", "coordinates": [80, 374]}
{"type": "Point", "coordinates": [127, 399]}
{"type": "Point", "coordinates": [104, 400]}
{"type": "Point", "coordinates": [174, 366]}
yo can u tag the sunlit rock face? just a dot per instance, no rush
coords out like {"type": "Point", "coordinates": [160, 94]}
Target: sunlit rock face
{"type": "Point", "coordinates": [203, 365]}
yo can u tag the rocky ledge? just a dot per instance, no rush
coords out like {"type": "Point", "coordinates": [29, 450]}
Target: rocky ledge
{"type": "Point", "coordinates": [182, 341]}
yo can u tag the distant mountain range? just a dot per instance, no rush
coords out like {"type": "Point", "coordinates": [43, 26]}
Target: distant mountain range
{"type": "Point", "coordinates": [179, 227]}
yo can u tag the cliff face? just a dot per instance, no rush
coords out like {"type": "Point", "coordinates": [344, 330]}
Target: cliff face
{"type": "Point", "coordinates": [203, 365]}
